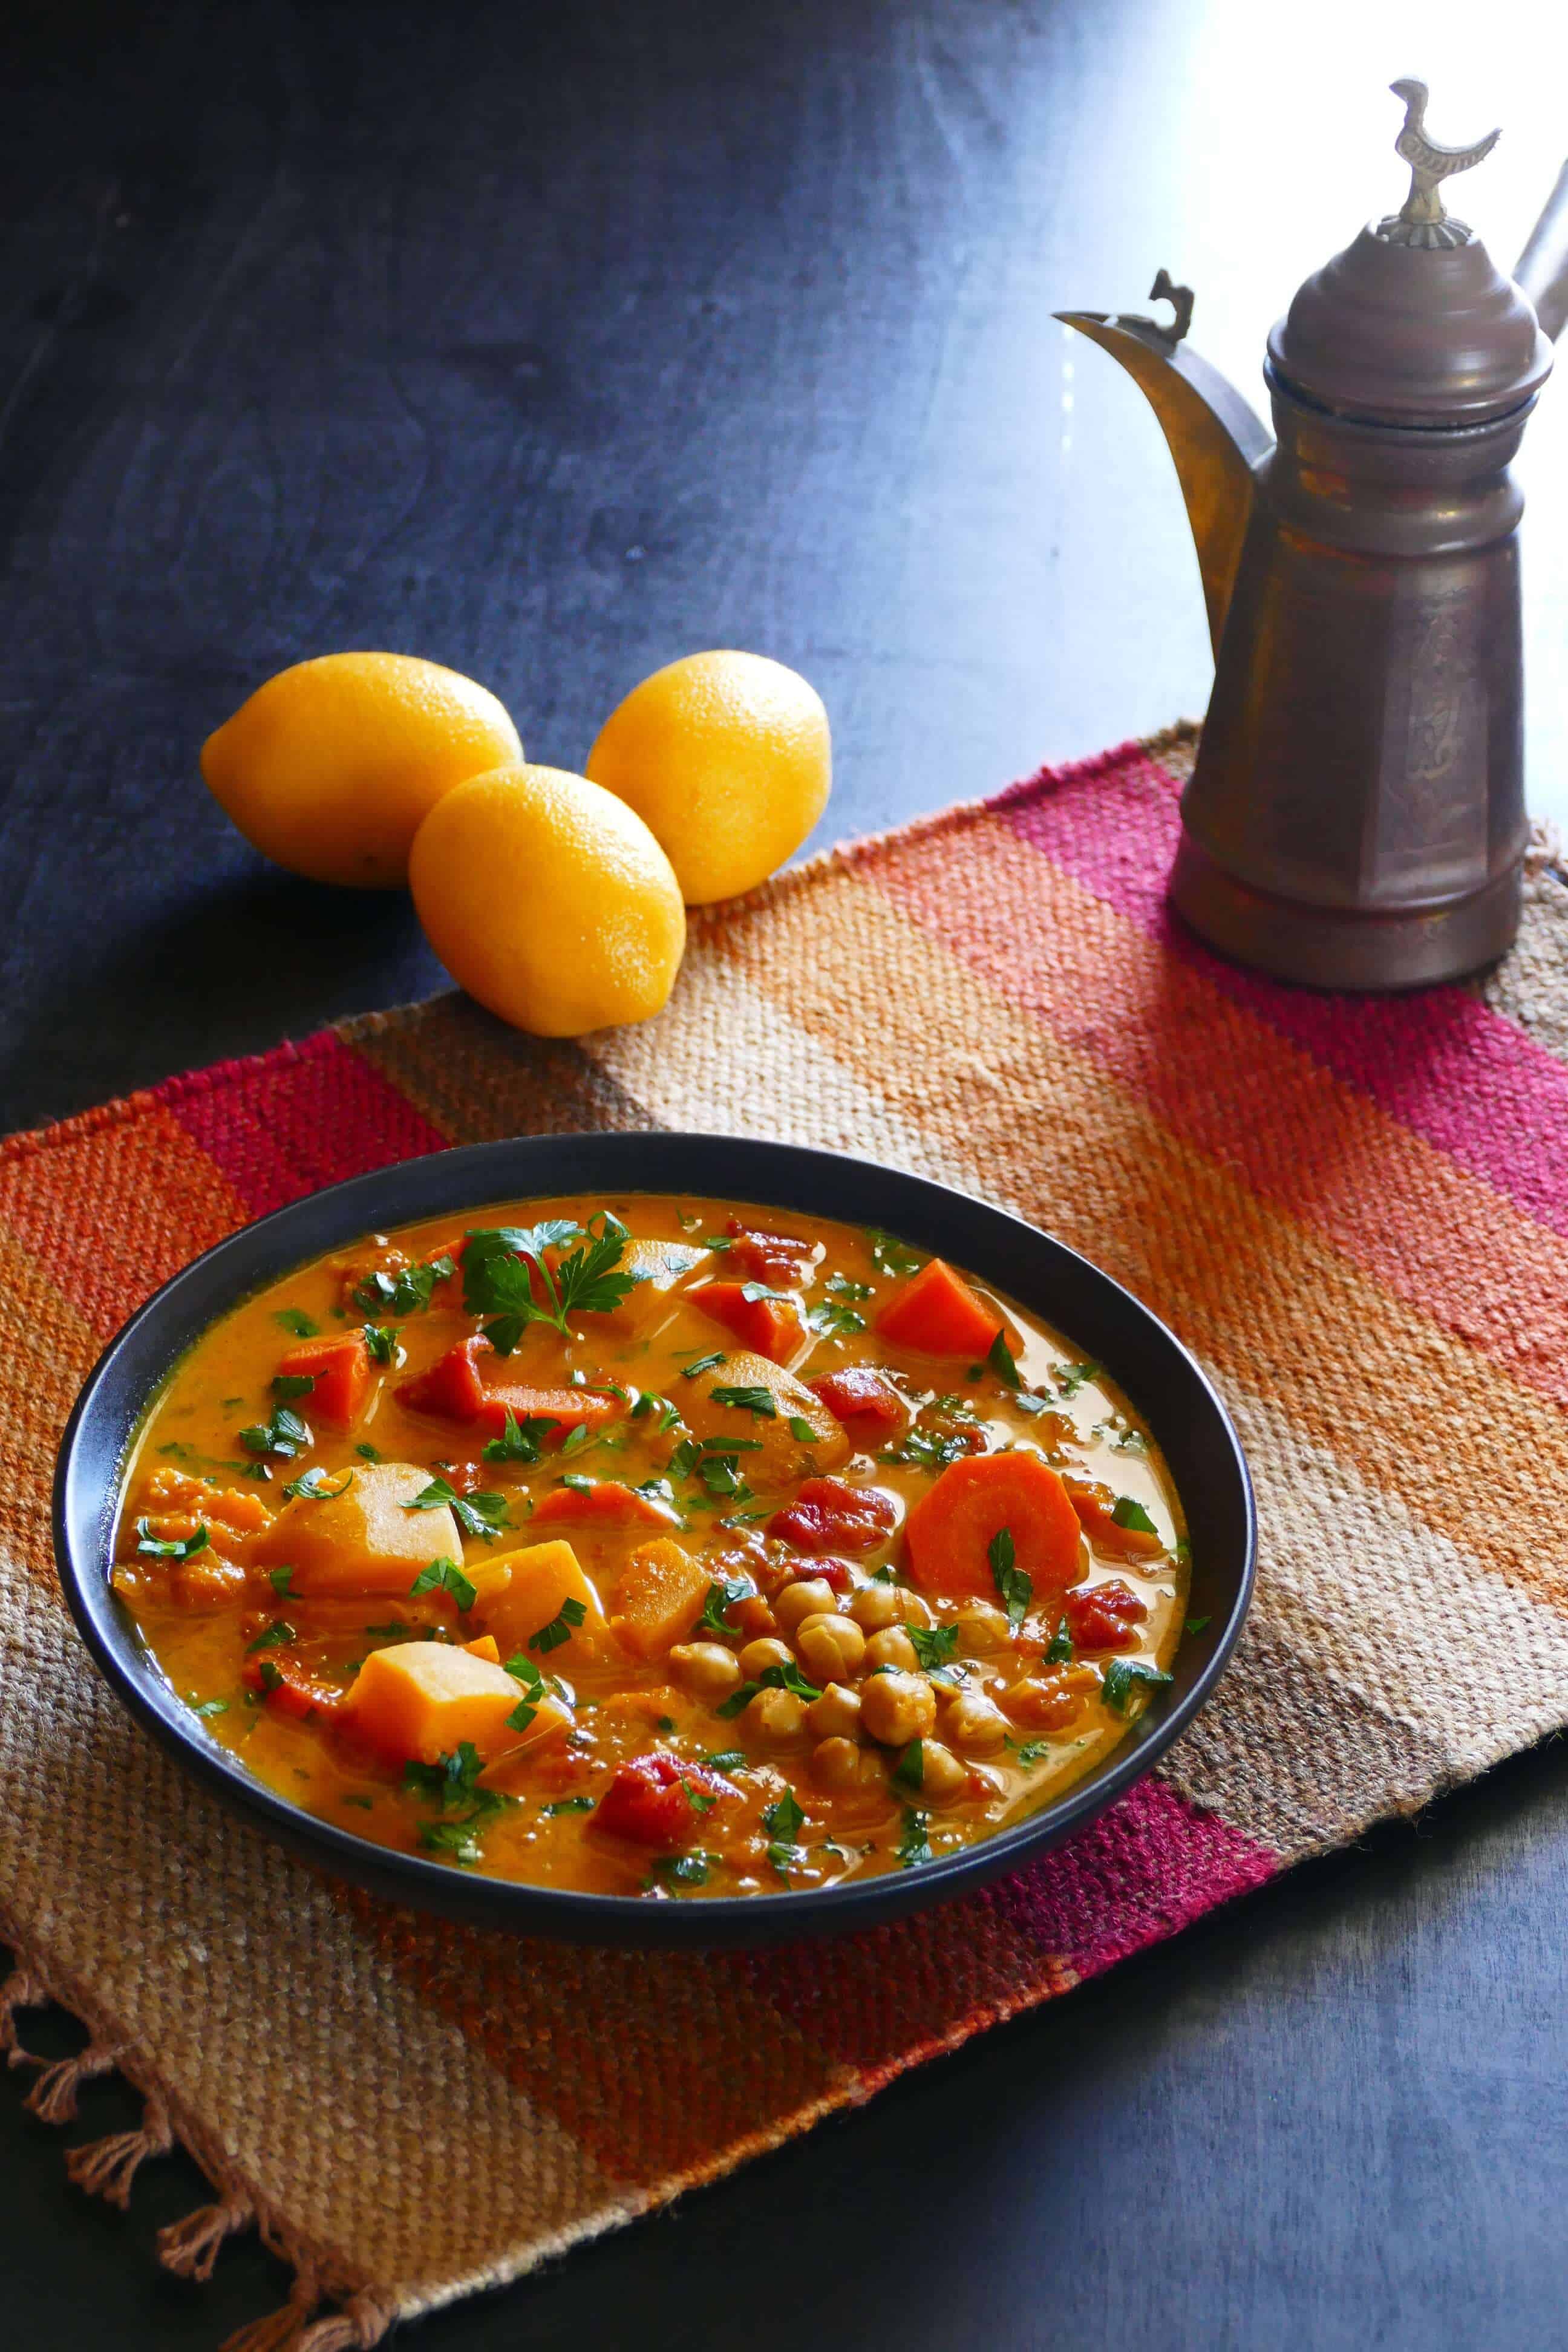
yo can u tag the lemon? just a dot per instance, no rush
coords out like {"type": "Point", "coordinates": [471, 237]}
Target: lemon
{"type": "Point", "coordinates": [331, 766]}
{"type": "Point", "coordinates": [727, 758]}
{"type": "Point", "coordinates": [549, 901]}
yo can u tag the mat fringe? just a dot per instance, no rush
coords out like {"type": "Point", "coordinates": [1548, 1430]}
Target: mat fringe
{"type": "Point", "coordinates": [189, 2247]}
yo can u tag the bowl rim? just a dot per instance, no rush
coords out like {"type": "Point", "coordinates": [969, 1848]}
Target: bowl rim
{"type": "Point", "coordinates": [166, 1326]}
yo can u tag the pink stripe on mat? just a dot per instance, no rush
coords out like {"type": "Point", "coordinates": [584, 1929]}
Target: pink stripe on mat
{"type": "Point", "coordinates": [280, 1128]}
{"type": "Point", "coordinates": [1439, 1061]}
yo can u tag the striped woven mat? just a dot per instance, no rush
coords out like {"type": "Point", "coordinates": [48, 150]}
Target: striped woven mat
{"type": "Point", "coordinates": [1354, 1211]}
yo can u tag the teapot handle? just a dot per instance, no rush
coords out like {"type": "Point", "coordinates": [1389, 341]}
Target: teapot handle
{"type": "Point", "coordinates": [1542, 268]}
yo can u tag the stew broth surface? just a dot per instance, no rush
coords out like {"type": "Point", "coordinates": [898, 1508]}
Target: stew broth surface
{"type": "Point", "coordinates": [799, 1558]}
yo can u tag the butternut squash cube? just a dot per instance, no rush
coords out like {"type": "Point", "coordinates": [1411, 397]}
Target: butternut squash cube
{"type": "Point", "coordinates": [523, 1591]}
{"type": "Point", "coordinates": [659, 1597]}
{"type": "Point", "coordinates": [363, 1540]}
{"type": "Point", "coordinates": [420, 1700]}
{"type": "Point", "coordinates": [784, 1454]}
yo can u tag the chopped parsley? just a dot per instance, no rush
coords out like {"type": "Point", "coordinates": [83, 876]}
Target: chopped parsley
{"type": "Point", "coordinates": [275, 1636]}
{"type": "Point", "coordinates": [914, 1845]}
{"type": "Point", "coordinates": [890, 1255]}
{"type": "Point", "coordinates": [1059, 1649]}
{"type": "Point", "coordinates": [930, 1449]}
{"type": "Point", "coordinates": [295, 1319]}
{"type": "Point", "coordinates": [285, 1433]}
{"type": "Point", "coordinates": [407, 1293]}
{"type": "Point", "coordinates": [367, 1452]}
{"type": "Point", "coordinates": [753, 1291]}
{"type": "Point", "coordinates": [380, 1340]}
{"type": "Point", "coordinates": [569, 1614]}
{"type": "Point", "coordinates": [477, 1514]}
{"type": "Point", "coordinates": [1196, 1624]}
{"type": "Point", "coordinates": [832, 1316]}
{"type": "Point", "coordinates": [1000, 1358]}
{"type": "Point", "coordinates": [271, 1679]}
{"type": "Point", "coordinates": [281, 1579]}
{"type": "Point", "coordinates": [758, 1401]}
{"type": "Point", "coordinates": [683, 1869]}
{"type": "Point", "coordinates": [178, 1548]}
{"type": "Point", "coordinates": [723, 1594]}
{"type": "Point", "coordinates": [211, 1706]}
{"type": "Point", "coordinates": [727, 1759]}
{"type": "Point", "coordinates": [290, 1384]}
{"type": "Point", "coordinates": [1030, 1751]}
{"type": "Point", "coordinates": [1123, 1677]}
{"type": "Point", "coordinates": [784, 1818]}
{"type": "Point", "coordinates": [789, 1678]}
{"type": "Point", "coordinates": [703, 1364]}
{"type": "Point", "coordinates": [934, 1645]}
{"type": "Point", "coordinates": [1070, 1377]}
{"type": "Point", "coordinates": [801, 1428]}
{"type": "Point", "coordinates": [316, 1486]}
{"type": "Point", "coordinates": [393, 1631]}
{"type": "Point", "coordinates": [1015, 1589]}
{"type": "Point", "coordinates": [505, 1275]}
{"type": "Point", "coordinates": [910, 1771]}
{"type": "Point", "coordinates": [1127, 1512]}
{"type": "Point", "coordinates": [842, 1288]}
{"type": "Point", "coordinates": [567, 1805]}
{"type": "Point", "coordinates": [519, 1441]}
{"type": "Point", "coordinates": [444, 1575]}
{"type": "Point", "coordinates": [649, 1401]}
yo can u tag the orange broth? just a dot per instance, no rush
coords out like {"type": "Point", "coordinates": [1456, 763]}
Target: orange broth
{"type": "Point", "coordinates": [731, 1632]}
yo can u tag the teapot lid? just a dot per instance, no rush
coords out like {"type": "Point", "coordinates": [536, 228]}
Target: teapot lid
{"type": "Point", "coordinates": [1414, 323]}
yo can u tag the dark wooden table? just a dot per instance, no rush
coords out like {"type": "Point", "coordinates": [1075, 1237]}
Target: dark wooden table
{"type": "Point", "coordinates": [554, 342]}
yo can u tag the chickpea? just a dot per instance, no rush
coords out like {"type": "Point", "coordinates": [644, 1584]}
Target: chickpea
{"type": "Point", "coordinates": [1050, 1702]}
{"type": "Point", "coordinates": [896, 1708]}
{"type": "Point", "coordinates": [707, 1669]}
{"type": "Point", "coordinates": [831, 1648]}
{"type": "Point", "coordinates": [769, 1652]}
{"type": "Point", "coordinates": [836, 1763]}
{"type": "Point", "coordinates": [776, 1715]}
{"type": "Point", "coordinates": [892, 1648]}
{"type": "Point", "coordinates": [836, 1714]}
{"type": "Point", "coordinates": [813, 1597]}
{"type": "Point", "coordinates": [982, 1630]}
{"type": "Point", "coordinates": [913, 1610]}
{"type": "Point", "coordinates": [876, 1606]}
{"type": "Point", "coordinates": [975, 1722]}
{"type": "Point", "coordinates": [942, 1776]}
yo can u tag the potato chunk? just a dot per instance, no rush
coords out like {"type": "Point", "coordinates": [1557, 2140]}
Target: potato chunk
{"type": "Point", "coordinates": [659, 1597]}
{"type": "Point", "coordinates": [660, 1268]}
{"type": "Point", "coordinates": [523, 1591]}
{"type": "Point", "coordinates": [362, 1541]}
{"type": "Point", "coordinates": [422, 1699]}
{"type": "Point", "coordinates": [786, 1456]}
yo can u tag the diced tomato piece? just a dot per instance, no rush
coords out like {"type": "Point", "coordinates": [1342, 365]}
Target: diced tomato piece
{"type": "Point", "coordinates": [292, 1688]}
{"type": "Point", "coordinates": [868, 1405]}
{"type": "Point", "coordinates": [779, 1259]}
{"type": "Point", "coordinates": [1104, 1616]}
{"type": "Point", "coordinates": [451, 1389]}
{"type": "Point", "coordinates": [567, 1407]}
{"type": "Point", "coordinates": [650, 1801]}
{"type": "Point", "coordinates": [768, 1326]}
{"type": "Point", "coordinates": [827, 1515]}
{"type": "Point", "coordinates": [604, 1503]}
{"type": "Point", "coordinates": [937, 1311]}
{"type": "Point", "coordinates": [1096, 1507]}
{"type": "Point", "coordinates": [341, 1370]}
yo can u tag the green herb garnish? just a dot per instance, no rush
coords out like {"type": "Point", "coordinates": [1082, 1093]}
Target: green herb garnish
{"type": "Point", "coordinates": [367, 1452]}
{"type": "Point", "coordinates": [1129, 1513]}
{"type": "Point", "coordinates": [505, 1275]}
{"type": "Point", "coordinates": [280, 1580]}
{"type": "Point", "coordinates": [801, 1428]}
{"type": "Point", "coordinates": [444, 1575]}
{"type": "Point", "coordinates": [477, 1514]}
{"type": "Point", "coordinates": [934, 1645]}
{"type": "Point", "coordinates": [1196, 1624]}
{"type": "Point", "coordinates": [315, 1486]}
{"type": "Point", "coordinates": [380, 1339]}
{"type": "Point", "coordinates": [559, 1629]}
{"type": "Point", "coordinates": [407, 1293]}
{"type": "Point", "coordinates": [914, 1845]}
{"type": "Point", "coordinates": [703, 1364]}
{"type": "Point", "coordinates": [723, 1594]}
{"type": "Point", "coordinates": [275, 1637]}
{"type": "Point", "coordinates": [1122, 1676]}
{"type": "Point", "coordinates": [519, 1441]}
{"type": "Point", "coordinates": [180, 1547]}
{"type": "Point", "coordinates": [1000, 1358]}
{"type": "Point", "coordinates": [891, 1256]}
{"type": "Point", "coordinates": [832, 1316]}
{"type": "Point", "coordinates": [567, 1805]}
{"type": "Point", "coordinates": [285, 1435]}
{"type": "Point", "coordinates": [788, 1678]}
{"type": "Point", "coordinates": [295, 1319]}
{"type": "Point", "coordinates": [1059, 1649]}
{"type": "Point", "coordinates": [758, 1401]}
{"type": "Point", "coordinates": [1070, 1377]}
{"type": "Point", "coordinates": [1015, 1589]}
{"type": "Point", "coordinates": [291, 1384]}
{"type": "Point", "coordinates": [909, 1772]}
{"type": "Point", "coordinates": [211, 1706]}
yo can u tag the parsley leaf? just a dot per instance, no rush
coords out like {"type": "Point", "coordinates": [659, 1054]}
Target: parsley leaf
{"type": "Point", "coordinates": [519, 1441]}
{"type": "Point", "coordinates": [367, 1452]}
{"type": "Point", "coordinates": [505, 1276]}
{"type": "Point", "coordinates": [1014, 1588]}
{"type": "Point", "coordinates": [788, 1678]}
{"type": "Point", "coordinates": [211, 1706]}
{"type": "Point", "coordinates": [1002, 1363]}
{"type": "Point", "coordinates": [559, 1629]}
{"type": "Point", "coordinates": [1070, 1377]}
{"type": "Point", "coordinates": [477, 1514]}
{"type": "Point", "coordinates": [295, 1319]}
{"type": "Point", "coordinates": [285, 1433]}
{"type": "Point", "coordinates": [281, 1579]}
{"type": "Point", "coordinates": [181, 1548]}
{"type": "Point", "coordinates": [394, 1629]}
{"type": "Point", "coordinates": [751, 1291]}
{"type": "Point", "coordinates": [291, 1384]}
{"type": "Point", "coordinates": [890, 1255]}
{"type": "Point", "coordinates": [784, 1818]}
{"type": "Point", "coordinates": [522, 1715]}
{"type": "Point", "coordinates": [405, 1293]}
{"type": "Point", "coordinates": [275, 1637]}
{"type": "Point", "coordinates": [316, 1486]}
{"type": "Point", "coordinates": [703, 1364]}
{"type": "Point", "coordinates": [727, 1759]}
{"type": "Point", "coordinates": [567, 1805]}
{"type": "Point", "coordinates": [1129, 1513]}
{"type": "Point", "coordinates": [683, 1869]}
{"type": "Point", "coordinates": [934, 1645]}
{"type": "Point", "coordinates": [1059, 1650]}
{"type": "Point", "coordinates": [909, 1772]}
{"type": "Point", "coordinates": [649, 1401]}
{"type": "Point", "coordinates": [802, 1429]}
{"type": "Point", "coordinates": [444, 1575]}
{"type": "Point", "coordinates": [723, 1594]}
{"type": "Point", "coordinates": [271, 1679]}
{"type": "Point", "coordinates": [914, 1845]}
{"type": "Point", "coordinates": [832, 1316]}
{"type": "Point", "coordinates": [1123, 1677]}
{"type": "Point", "coordinates": [380, 1339]}
{"type": "Point", "coordinates": [758, 1401]}
{"type": "Point", "coordinates": [1030, 1752]}
{"type": "Point", "coordinates": [1196, 1624]}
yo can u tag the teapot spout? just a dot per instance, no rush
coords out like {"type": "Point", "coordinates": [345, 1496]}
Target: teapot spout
{"type": "Point", "coordinates": [1214, 438]}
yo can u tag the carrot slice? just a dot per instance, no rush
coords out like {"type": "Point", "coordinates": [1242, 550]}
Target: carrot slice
{"type": "Point", "coordinates": [341, 1370]}
{"type": "Point", "coordinates": [451, 1389]}
{"type": "Point", "coordinates": [936, 1310]}
{"type": "Point", "coordinates": [951, 1531]}
{"type": "Point", "coordinates": [1096, 1506]}
{"type": "Point", "coordinates": [567, 1407]}
{"type": "Point", "coordinates": [606, 1503]}
{"type": "Point", "coordinates": [769, 1326]}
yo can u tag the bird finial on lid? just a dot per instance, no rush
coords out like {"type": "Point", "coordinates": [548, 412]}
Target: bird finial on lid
{"type": "Point", "coordinates": [1421, 220]}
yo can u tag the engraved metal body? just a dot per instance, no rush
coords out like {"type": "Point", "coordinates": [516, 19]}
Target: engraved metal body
{"type": "Point", "coordinates": [1355, 817]}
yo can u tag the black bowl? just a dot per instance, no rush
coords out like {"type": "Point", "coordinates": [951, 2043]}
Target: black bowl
{"type": "Point", "coordinates": [1155, 1369]}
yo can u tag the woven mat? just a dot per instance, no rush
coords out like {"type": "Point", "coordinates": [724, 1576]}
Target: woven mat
{"type": "Point", "coordinates": [1354, 1211]}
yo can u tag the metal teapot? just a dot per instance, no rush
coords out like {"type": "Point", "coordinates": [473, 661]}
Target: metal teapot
{"type": "Point", "coordinates": [1356, 818]}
